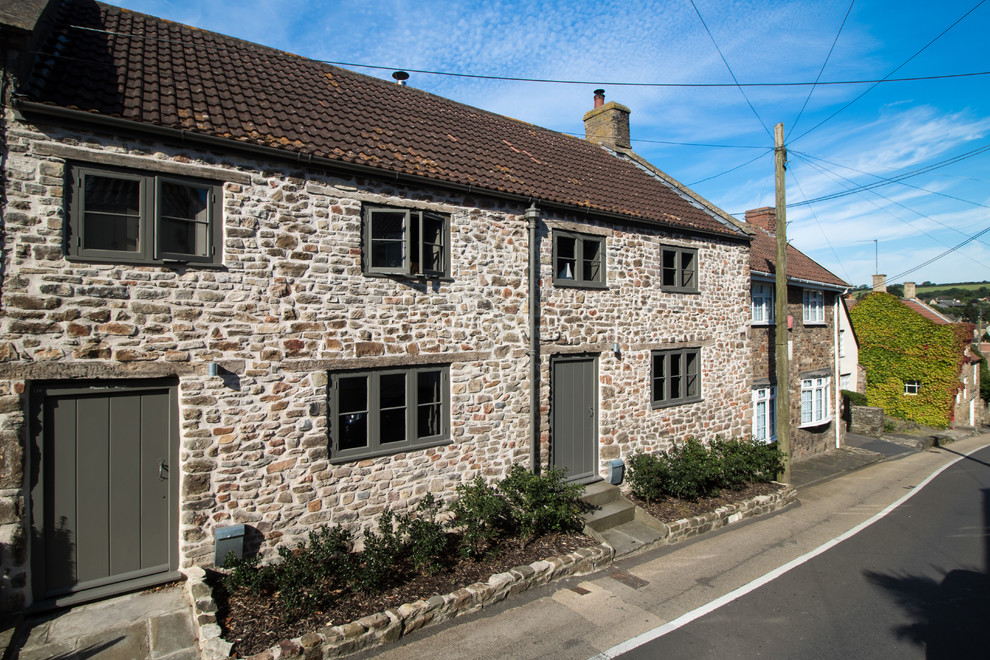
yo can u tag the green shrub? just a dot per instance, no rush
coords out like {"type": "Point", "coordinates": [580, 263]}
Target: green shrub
{"type": "Point", "coordinates": [648, 475]}
{"type": "Point", "coordinates": [541, 504]}
{"type": "Point", "coordinates": [694, 471]}
{"type": "Point", "coordinates": [483, 514]}
{"type": "Point", "coordinates": [737, 462]}
{"type": "Point", "coordinates": [382, 552]}
{"type": "Point", "coordinates": [426, 535]}
{"type": "Point", "coordinates": [855, 398]}
{"type": "Point", "coordinates": [766, 461]}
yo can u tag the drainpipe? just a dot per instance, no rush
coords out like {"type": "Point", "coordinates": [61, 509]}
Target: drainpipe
{"type": "Point", "coordinates": [837, 373]}
{"type": "Point", "coordinates": [533, 216]}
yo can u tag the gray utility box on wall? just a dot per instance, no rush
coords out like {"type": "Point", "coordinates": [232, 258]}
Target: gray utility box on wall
{"type": "Point", "coordinates": [228, 540]}
{"type": "Point", "coordinates": [616, 471]}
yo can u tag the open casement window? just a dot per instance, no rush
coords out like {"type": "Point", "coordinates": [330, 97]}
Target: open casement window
{"type": "Point", "coordinates": [678, 269]}
{"type": "Point", "coordinates": [762, 304]}
{"type": "Point", "coordinates": [676, 377]}
{"type": "Point", "coordinates": [143, 218]}
{"type": "Point", "coordinates": [765, 414]}
{"type": "Point", "coordinates": [578, 259]}
{"type": "Point", "coordinates": [814, 306]}
{"type": "Point", "coordinates": [912, 387]}
{"type": "Point", "coordinates": [406, 242]}
{"type": "Point", "coordinates": [381, 412]}
{"type": "Point", "coordinates": [815, 408]}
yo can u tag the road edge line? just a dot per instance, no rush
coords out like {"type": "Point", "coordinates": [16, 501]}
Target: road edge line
{"type": "Point", "coordinates": [707, 608]}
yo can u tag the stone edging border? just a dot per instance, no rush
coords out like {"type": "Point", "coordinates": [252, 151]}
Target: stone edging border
{"type": "Point", "coordinates": [386, 627]}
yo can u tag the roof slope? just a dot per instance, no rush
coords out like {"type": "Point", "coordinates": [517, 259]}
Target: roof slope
{"type": "Point", "coordinates": [763, 259]}
{"type": "Point", "coordinates": [927, 312]}
{"type": "Point", "coordinates": [123, 64]}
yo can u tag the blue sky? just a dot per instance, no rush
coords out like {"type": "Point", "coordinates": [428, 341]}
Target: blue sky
{"type": "Point", "coordinates": [895, 129]}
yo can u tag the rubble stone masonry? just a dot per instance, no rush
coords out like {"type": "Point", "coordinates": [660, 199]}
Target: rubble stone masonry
{"type": "Point", "coordinates": [291, 305]}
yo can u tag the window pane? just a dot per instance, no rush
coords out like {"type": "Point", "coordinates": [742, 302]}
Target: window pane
{"type": "Point", "coordinates": [659, 374]}
{"type": "Point", "coordinates": [429, 404]}
{"type": "Point", "coordinates": [111, 215]}
{"type": "Point", "coordinates": [806, 411]}
{"type": "Point", "coordinates": [688, 274]}
{"type": "Point", "coordinates": [674, 364]}
{"type": "Point", "coordinates": [692, 375]}
{"type": "Point", "coordinates": [392, 407]}
{"type": "Point", "coordinates": [352, 419]}
{"type": "Point", "coordinates": [182, 237]}
{"type": "Point", "coordinates": [668, 267]}
{"type": "Point", "coordinates": [592, 259]}
{"type": "Point", "coordinates": [387, 233]}
{"type": "Point", "coordinates": [565, 258]}
{"type": "Point", "coordinates": [182, 201]}
{"type": "Point", "coordinates": [432, 248]}
{"type": "Point", "coordinates": [761, 420]}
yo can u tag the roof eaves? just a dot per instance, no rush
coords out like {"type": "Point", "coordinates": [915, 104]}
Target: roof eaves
{"type": "Point", "coordinates": [682, 190]}
{"type": "Point", "coordinates": [771, 277]}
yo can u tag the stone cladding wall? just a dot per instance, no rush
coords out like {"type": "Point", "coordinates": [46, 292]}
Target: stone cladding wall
{"type": "Point", "coordinates": [634, 312]}
{"type": "Point", "coordinates": [291, 305]}
{"type": "Point", "coordinates": [813, 350]}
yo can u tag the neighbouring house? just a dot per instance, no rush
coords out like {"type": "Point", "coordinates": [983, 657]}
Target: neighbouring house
{"type": "Point", "coordinates": [918, 361]}
{"type": "Point", "coordinates": [241, 287]}
{"type": "Point", "coordinates": [813, 342]}
{"type": "Point", "coordinates": [852, 375]}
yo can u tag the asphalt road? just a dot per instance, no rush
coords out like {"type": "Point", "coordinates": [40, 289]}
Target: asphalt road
{"type": "Point", "coordinates": [915, 584]}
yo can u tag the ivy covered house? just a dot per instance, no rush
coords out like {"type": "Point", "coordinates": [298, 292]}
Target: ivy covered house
{"type": "Point", "coordinates": [919, 364]}
{"type": "Point", "coordinates": [241, 287]}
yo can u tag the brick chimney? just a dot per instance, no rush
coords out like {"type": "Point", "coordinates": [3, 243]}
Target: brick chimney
{"type": "Point", "coordinates": [879, 282]}
{"type": "Point", "coordinates": [765, 218]}
{"type": "Point", "coordinates": [607, 124]}
{"type": "Point", "coordinates": [910, 291]}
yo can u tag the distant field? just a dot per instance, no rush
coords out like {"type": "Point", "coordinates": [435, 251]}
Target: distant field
{"type": "Point", "coordinates": [938, 289]}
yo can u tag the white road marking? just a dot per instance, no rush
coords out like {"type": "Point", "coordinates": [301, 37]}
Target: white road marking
{"type": "Point", "coordinates": [707, 608]}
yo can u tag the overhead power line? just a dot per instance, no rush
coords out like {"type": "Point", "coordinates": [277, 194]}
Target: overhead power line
{"type": "Point", "coordinates": [726, 63]}
{"type": "Point", "coordinates": [557, 81]}
{"type": "Point", "coordinates": [944, 254]}
{"type": "Point", "coordinates": [898, 68]}
{"type": "Point", "coordinates": [897, 179]}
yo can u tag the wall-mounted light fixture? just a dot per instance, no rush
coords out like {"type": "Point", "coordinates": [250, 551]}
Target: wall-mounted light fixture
{"type": "Point", "coordinates": [211, 369]}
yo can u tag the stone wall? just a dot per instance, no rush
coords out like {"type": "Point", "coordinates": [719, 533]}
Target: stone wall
{"type": "Point", "coordinates": [291, 305]}
{"type": "Point", "coordinates": [812, 351]}
{"type": "Point", "coordinates": [866, 420]}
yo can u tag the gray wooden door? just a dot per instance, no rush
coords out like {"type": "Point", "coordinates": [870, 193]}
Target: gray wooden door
{"type": "Point", "coordinates": [574, 410]}
{"type": "Point", "coordinates": [104, 505]}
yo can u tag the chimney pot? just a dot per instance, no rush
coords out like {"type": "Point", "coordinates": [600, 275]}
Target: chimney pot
{"type": "Point", "coordinates": [880, 283]}
{"type": "Point", "coordinates": [607, 124]}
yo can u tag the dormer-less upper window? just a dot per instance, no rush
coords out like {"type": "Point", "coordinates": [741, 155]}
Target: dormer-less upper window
{"type": "Point", "coordinates": [124, 216]}
{"type": "Point", "coordinates": [578, 259]}
{"type": "Point", "coordinates": [406, 242]}
{"type": "Point", "coordinates": [678, 269]}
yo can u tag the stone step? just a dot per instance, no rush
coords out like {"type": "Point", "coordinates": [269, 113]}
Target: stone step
{"type": "Point", "coordinates": [631, 536]}
{"type": "Point", "coordinates": [600, 493]}
{"type": "Point", "coordinates": [610, 514]}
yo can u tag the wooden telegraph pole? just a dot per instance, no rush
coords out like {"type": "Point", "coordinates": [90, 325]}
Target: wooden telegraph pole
{"type": "Point", "coordinates": [781, 331]}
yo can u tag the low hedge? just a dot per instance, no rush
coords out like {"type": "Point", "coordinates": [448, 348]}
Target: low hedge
{"type": "Point", "coordinates": [692, 470]}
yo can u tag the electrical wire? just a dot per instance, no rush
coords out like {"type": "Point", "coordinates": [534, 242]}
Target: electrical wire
{"type": "Point", "coordinates": [897, 179]}
{"type": "Point", "coordinates": [821, 228]}
{"type": "Point", "coordinates": [732, 169]}
{"type": "Point", "coordinates": [902, 65]}
{"type": "Point", "coordinates": [822, 70]}
{"type": "Point", "coordinates": [726, 63]}
{"type": "Point", "coordinates": [553, 81]}
{"type": "Point", "coordinates": [944, 254]}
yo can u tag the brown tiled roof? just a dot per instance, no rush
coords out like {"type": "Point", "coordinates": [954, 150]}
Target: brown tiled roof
{"type": "Point", "coordinates": [763, 259]}
{"type": "Point", "coordinates": [123, 64]}
{"type": "Point", "coordinates": [927, 311]}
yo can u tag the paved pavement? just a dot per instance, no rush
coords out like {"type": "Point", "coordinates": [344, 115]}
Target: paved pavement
{"type": "Point", "coordinates": [153, 624]}
{"type": "Point", "coordinates": [158, 624]}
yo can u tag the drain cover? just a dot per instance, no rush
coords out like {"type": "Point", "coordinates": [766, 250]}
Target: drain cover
{"type": "Point", "coordinates": [627, 579]}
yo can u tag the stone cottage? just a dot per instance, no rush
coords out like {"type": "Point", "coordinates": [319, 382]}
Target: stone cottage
{"type": "Point", "coordinates": [814, 343]}
{"type": "Point", "coordinates": [243, 287]}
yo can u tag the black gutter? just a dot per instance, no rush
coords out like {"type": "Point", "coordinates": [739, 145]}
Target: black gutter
{"type": "Point", "coordinates": [226, 144]}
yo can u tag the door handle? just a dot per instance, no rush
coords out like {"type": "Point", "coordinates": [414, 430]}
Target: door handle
{"type": "Point", "coordinates": [163, 470]}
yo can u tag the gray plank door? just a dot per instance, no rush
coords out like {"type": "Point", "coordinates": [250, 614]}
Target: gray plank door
{"type": "Point", "coordinates": [574, 409]}
{"type": "Point", "coordinates": [107, 497]}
